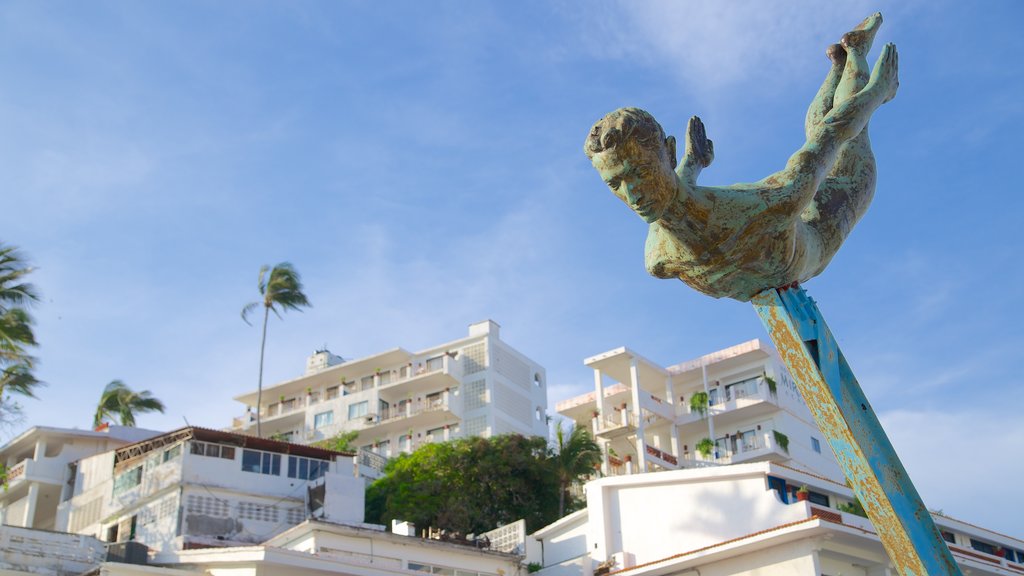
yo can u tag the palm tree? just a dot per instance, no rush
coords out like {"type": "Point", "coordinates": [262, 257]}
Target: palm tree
{"type": "Point", "coordinates": [280, 287]}
{"type": "Point", "coordinates": [16, 334]}
{"type": "Point", "coordinates": [575, 457]}
{"type": "Point", "coordinates": [121, 401]}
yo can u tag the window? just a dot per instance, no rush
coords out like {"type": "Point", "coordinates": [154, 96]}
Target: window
{"type": "Point", "coordinates": [948, 537]}
{"type": "Point", "coordinates": [817, 498]}
{"type": "Point", "coordinates": [536, 380]}
{"type": "Point", "coordinates": [127, 480]}
{"type": "Point", "coordinates": [331, 393]}
{"type": "Point", "coordinates": [815, 445]}
{"type": "Point", "coordinates": [306, 468]}
{"type": "Point", "coordinates": [323, 419]}
{"type": "Point", "coordinates": [213, 450]}
{"type": "Point", "coordinates": [357, 410]}
{"type": "Point", "coordinates": [172, 452]}
{"type": "Point", "coordinates": [983, 546]}
{"type": "Point", "coordinates": [261, 462]}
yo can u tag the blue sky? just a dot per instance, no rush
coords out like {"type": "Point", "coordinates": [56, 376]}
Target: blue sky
{"type": "Point", "coordinates": [421, 164]}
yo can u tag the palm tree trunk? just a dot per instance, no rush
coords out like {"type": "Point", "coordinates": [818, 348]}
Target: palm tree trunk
{"type": "Point", "coordinates": [561, 498]}
{"type": "Point", "coordinates": [259, 387]}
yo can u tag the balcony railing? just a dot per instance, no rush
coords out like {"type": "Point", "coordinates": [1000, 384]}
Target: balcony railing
{"type": "Point", "coordinates": [372, 460]}
{"type": "Point", "coordinates": [410, 410]}
{"type": "Point", "coordinates": [662, 455]}
{"type": "Point", "coordinates": [747, 389]}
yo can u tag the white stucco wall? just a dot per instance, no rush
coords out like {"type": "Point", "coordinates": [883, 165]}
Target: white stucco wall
{"type": "Point", "coordinates": [667, 514]}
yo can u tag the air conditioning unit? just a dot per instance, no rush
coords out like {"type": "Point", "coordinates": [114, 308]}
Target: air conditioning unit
{"type": "Point", "coordinates": [429, 438]}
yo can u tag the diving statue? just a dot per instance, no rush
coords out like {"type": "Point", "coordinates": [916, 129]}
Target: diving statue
{"type": "Point", "coordinates": [736, 241]}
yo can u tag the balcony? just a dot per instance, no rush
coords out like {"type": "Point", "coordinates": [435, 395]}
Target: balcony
{"type": "Point", "coordinates": [662, 458]}
{"type": "Point", "coordinates": [45, 471]}
{"type": "Point", "coordinates": [731, 405]}
{"type": "Point", "coordinates": [435, 373]}
{"type": "Point", "coordinates": [620, 423]}
{"type": "Point", "coordinates": [430, 412]}
{"type": "Point", "coordinates": [750, 446]}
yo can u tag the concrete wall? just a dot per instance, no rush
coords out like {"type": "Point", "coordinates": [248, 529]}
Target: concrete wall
{"type": "Point", "coordinates": [562, 547]}
{"type": "Point", "coordinates": [792, 559]}
{"type": "Point", "coordinates": [397, 552]}
{"type": "Point", "coordinates": [691, 514]}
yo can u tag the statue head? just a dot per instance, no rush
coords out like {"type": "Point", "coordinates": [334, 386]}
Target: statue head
{"type": "Point", "coordinates": [637, 161]}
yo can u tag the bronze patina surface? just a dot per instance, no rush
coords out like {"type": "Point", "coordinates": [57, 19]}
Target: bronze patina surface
{"type": "Point", "coordinates": [736, 241]}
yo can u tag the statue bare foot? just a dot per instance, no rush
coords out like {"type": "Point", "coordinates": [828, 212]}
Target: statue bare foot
{"type": "Point", "coordinates": [860, 38]}
{"type": "Point", "coordinates": [837, 54]}
{"type": "Point", "coordinates": [885, 78]}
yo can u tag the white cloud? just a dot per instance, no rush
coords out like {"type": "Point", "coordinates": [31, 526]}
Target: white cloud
{"type": "Point", "coordinates": [717, 45]}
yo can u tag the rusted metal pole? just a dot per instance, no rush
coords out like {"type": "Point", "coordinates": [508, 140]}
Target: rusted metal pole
{"type": "Point", "coordinates": [845, 417]}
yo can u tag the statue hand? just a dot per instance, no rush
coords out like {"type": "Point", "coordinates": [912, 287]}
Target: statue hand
{"type": "Point", "coordinates": [698, 154]}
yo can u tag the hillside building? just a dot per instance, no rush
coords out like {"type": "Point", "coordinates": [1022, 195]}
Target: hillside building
{"type": "Point", "coordinates": [740, 520]}
{"type": "Point", "coordinates": [199, 488]}
{"type": "Point", "coordinates": [398, 400]}
{"type": "Point", "coordinates": [732, 406]}
{"type": "Point", "coordinates": [38, 463]}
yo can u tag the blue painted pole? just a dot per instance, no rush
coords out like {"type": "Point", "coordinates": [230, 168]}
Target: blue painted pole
{"type": "Point", "coordinates": [845, 417]}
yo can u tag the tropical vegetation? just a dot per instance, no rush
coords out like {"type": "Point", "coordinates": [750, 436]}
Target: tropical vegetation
{"type": "Point", "coordinates": [341, 442]}
{"type": "Point", "coordinates": [705, 447]}
{"type": "Point", "coordinates": [120, 403]}
{"type": "Point", "coordinates": [575, 456]}
{"type": "Point", "coordinates": [699, 403]}
{"type": "Point", "coordinates": [17, 337]}
{"type": "Point", "coordinates": [280, 290]}
{"type": "Point", "coordinates": [470, 485]}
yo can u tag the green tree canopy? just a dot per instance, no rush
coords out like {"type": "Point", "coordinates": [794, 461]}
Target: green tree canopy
{"type": "Point", "coordinates": [120, 401]}
{"type": "Point", "coordinates": [469, 485]}
{"type": "Point", "coordinates": [16, 333]}
{"type": "Point", "coordinates": [280, 290]}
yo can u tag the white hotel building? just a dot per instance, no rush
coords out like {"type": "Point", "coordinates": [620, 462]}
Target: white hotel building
{"type": "Point", "coordinates": [644, 418]}
{"type": "Point", "coordinates": [398, 400]}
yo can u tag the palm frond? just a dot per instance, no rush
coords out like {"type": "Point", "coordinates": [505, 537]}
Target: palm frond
{"type": "Point", "coordinates": [18, 379]}
{"type": "Point", "coordinates": [120, 400]}
{"type": "Point", "coordinates": [247, 309]}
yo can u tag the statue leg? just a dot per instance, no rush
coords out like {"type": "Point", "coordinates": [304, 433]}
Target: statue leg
{"type": "Point", "coordinates": [822, 102]}
{"type": "Point", "coordinates": [846, 193]}
{"type": "Point", "coordinates": [792, 189]}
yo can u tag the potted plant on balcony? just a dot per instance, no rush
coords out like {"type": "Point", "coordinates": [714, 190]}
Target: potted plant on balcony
{"type": "Point", "coordinates": [802, 493]}
{"type": "Point", "coordinates": [782, 440]}
{"type": "Point", "coordinates": [773, 388]}
{"type": "Point", "coordinates": [705, 447]}
{"type": "Point", "coordinates": [699, 403]}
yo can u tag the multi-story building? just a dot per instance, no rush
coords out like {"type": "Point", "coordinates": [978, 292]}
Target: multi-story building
{"type": "Point", "coordinates": [198, 488]}
{"type": "Point", "coordinates": [742, 520]}
{"type": "Point", "coordinates": [36, 465]}
{"type": "Point", "coordinates": [732, 406]}
{"type": "Point", "coordinates": [397, 400]}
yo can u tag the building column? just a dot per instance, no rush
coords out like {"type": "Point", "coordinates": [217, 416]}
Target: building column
{"type": "Point", "coordinates": [30, 508]}
{"type": "Point", "coordinates": [670, 398]}
{"type": "Point", "coordinates": [634, 378]}
{"type": "Point", "coordinates": [40, 450]}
